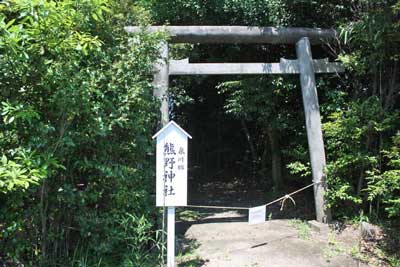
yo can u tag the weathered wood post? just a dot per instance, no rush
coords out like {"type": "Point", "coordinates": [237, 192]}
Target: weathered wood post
{"type": "Point", "coordinates": [161, 82]}
{"type": "Point", "coordinates": [313, 125]}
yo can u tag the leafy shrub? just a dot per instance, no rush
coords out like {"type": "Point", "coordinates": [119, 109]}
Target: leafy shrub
{"type": "Point", "coordinates": [77, 116]}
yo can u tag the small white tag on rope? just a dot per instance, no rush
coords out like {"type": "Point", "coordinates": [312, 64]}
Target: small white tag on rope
{"type": "Point", "coordinates": [257, 214]}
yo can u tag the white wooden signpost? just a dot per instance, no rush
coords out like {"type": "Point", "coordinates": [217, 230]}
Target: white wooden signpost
{"type": "Point", "coordinates": [171, 181]}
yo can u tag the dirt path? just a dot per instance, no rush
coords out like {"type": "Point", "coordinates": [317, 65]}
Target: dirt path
{"type": "Point", "coordinates": [223, 238]}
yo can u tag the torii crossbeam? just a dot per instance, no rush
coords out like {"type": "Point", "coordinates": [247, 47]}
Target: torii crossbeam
{"type": "Point", "coordinates": [304, 65]}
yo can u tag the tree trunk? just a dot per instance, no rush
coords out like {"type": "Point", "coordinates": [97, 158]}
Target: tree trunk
{"type": "Point", "coordinates": [43, 215]}
{"type": "Point", "coordinates": [276, 158]}
{"type": "Point", "coordinates": [368, 143]}
{"type": "Point", "coordinates": [264, 156]}
{"type": "Point", "coordinates": [219, 148]}
{"type": "Point", "coordinates": [251, 147]}
{"type": "Point", "coordinates": [392, 88]}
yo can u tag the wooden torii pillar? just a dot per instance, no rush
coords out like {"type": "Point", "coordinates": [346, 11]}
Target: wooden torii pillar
{"type": "Point", "coordinates": [304, 65]}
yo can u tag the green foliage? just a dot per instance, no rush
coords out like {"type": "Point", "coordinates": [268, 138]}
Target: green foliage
{"type": "Point", "coordinates": [384, 185]}
{"type": "Point", "coordinates": [358, 133]}
{"type": "Point", "coordinates": [77, 116]}
{"type": "Point", "coordinates": [265, 100]}
{"type": "Point", "coordinates": [268, 103]}
{"type": "Point", "coordinates": [334, 248]}
{"type": "Point", "coordinates": [302, 227]}
{"type": "Point", "coordinates": [349, 137]}
{"type": "Point", "coordinates": [248, 12]}
{"type": "Point", "coordinates": [137, 235]}
{"type": "Point", "coordinates": [19, 174]}
{"type": "Point", "coordinates": [373, 36]}
{"type": "Point", "coordinates": [359, 111]}
{"type": "Point", "coordinates": [77, 113]}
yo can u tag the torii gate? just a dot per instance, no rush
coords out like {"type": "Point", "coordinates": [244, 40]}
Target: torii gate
{"type": "Point", "coordinates": [304, 65]}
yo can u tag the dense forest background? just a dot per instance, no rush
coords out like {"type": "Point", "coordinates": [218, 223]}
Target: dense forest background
{"type": "Point", "coordinates": [77, 115]}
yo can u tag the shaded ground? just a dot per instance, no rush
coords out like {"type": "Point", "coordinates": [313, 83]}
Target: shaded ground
{"type": "Point", "coordinates": [219, 238]}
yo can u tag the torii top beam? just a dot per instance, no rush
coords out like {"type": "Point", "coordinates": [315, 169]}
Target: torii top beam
{"type": "Point", "coordinates": [240, 34]}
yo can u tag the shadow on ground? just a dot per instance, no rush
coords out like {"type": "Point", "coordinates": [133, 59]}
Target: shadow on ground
{"type": "Point", "coordinates": [191, 263]}
{"type": "Point", "coordinates": [237, 192]}
{"type": "Point", "coordinates": [186, 249]}
{"type": "Point", "coordinates": [222, 237]}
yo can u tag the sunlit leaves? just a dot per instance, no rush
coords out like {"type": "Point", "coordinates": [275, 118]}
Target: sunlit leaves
{"type": "Point", "coordinates": [348, 134]}
{"type": "Point", "coordinates": [77, 114]}
{"type": "Point", "coordinates": [10, 112]}
{"type": "Point", "coordinates": [20, 173]}
{"type": "Point", "coordinates": [385, 185]}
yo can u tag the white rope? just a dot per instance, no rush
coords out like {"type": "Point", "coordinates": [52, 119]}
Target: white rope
{"type": "Point", "coordinates": [283, 199]}
{"type": "Point", "coordinates": [216, 207]}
